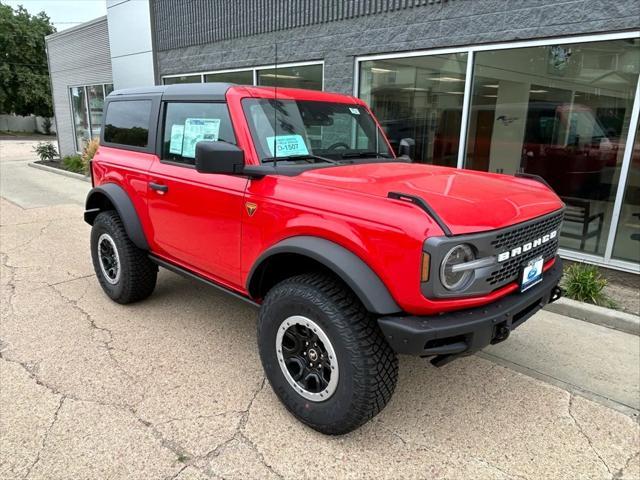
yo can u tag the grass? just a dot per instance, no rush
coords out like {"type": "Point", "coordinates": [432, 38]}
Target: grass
{"type": "Point", "coordinates": [585, 283]}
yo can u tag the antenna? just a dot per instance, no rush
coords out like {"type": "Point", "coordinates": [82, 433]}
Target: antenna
{"type": "Point", "coordinates": [275, 110]}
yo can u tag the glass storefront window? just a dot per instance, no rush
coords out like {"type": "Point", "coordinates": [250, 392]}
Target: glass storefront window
{"type": "Point", "coordinates": [87, 104]}
{"type": "Point", "coordinates": [627, 243]}
{"type": "Point", "coordinates": [307, 76]}
{"type": "Point", "coordinates": [561, 112]}
{"type": "Point", "coordinates": [95, 95]}
{"type": "Point", "coordinates": [244, 77]}
{"type": "Point", "coordinates": [183, 79]}
{"type": "Point", "coordinates": [80, 118]}
{"type": "Point", "coordinates": [419, 98]}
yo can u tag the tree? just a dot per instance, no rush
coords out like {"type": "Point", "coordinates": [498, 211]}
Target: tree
{"type": "Point", "coordinates": [24, 74]}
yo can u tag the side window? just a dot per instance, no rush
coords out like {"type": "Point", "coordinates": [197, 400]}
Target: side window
{"type": "Point", "coordinates": [127, 122]}
{"type": "Point", "coordinates": [186, 124]}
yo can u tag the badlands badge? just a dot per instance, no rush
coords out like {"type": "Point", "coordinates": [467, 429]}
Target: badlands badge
{"type": "Point", "coordinates": [251, 208]}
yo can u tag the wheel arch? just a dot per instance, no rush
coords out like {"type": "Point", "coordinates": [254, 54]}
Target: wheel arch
{"type": "Point", "coordinates": [111, 196]}
{"type": "Point", "coordinates": [301, 254]}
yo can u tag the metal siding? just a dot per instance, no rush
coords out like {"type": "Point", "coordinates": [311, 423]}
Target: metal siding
{"type": "Point", "coordinates": [79, 56]}
{"type": "Point", "coordinates": [179, 24]}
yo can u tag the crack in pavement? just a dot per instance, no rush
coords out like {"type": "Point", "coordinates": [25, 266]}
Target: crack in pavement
{"type": "Point", "coordinates": [171, 446]}
{"type": "Point", "coordinates": [107, 344]}
{"type": "Point", "coordinates": [584, 434]}
{"type": "Point", "coordinates": [620, 473]}
{"type": "Point", "coordinates": [240, 437]}
{"type": "Point", "coordinates": [31, 371]}
{"type": "Point", "coordinates": [32, 239]}
{"type": "Point", "coordinates": [4, 259]}
{"type": "Point", "coordinates": [437, 451]}
{"type": "Point", "coordinates": [45, 437]}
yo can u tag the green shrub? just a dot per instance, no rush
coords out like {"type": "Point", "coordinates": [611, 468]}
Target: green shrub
{"type": "Point", "coordinates": [73, 163]}
{"type": "Point", "coordinates": [46, 151]}
{"type": "Point", "coordinates": [585, 284]}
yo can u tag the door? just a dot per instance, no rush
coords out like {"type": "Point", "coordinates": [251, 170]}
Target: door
{"type": "Point", "coordinates": [196, 216]}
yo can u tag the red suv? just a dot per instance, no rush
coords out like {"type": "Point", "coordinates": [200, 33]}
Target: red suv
{"type": "Point", "coordinates": [294, 201]}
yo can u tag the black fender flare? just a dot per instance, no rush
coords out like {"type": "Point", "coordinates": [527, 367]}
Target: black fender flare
{"type": "Point", "coordinates": [116, 195]}
{"type": "Point", "coordinates": [364, 282]}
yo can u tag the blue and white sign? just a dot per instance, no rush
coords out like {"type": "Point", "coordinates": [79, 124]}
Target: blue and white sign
{"type": "Point", "coordinates": [287, 145]}
{"type": "Point", "coordinates": [531, 274]}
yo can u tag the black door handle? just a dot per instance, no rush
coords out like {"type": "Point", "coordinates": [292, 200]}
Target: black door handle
{"type": "Point", "coordinates": [158, 187]}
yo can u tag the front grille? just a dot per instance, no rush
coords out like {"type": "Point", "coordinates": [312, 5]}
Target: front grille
{"type": "Point", "coordinates": [508, 270]}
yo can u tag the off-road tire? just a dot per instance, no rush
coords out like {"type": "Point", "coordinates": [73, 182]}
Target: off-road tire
{"type": "Point", "coordinates": [138, 274]}
{"type": "Point", "coordinates": [368, 367]}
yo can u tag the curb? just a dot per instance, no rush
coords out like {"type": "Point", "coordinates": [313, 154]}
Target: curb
{"type": "Point", "coordinates": [625, 322]}
{"type": "Point", "coordinates": [64, 173]}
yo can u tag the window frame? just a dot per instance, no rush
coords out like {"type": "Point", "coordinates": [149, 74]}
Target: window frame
{"type": "Point", "coordinates": [73, 125]}
{"type": "Point", "coordinates": [605, 259]}
{"type": "Point", "coordinates": [253, 69]}
{"type": "Point", "coordinates": [153, 122]}
{"type": "Point", "coordinates": [162, 126]}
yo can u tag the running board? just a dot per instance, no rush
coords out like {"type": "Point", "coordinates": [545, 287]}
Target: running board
{"type": "Point", "coordinates": [194, 276]}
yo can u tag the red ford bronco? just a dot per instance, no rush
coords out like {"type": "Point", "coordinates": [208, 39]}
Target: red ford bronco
{"type": "Point", "coordinates": [294, 201]}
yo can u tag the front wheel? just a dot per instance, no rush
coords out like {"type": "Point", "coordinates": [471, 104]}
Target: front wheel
{"type": "Point", "coordinates": [324, 354]}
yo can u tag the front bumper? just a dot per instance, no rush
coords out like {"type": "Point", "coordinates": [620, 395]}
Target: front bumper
{"type": "Point", "coordinates": [464, 332]}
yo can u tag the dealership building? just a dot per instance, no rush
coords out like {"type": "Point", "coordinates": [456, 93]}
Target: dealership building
{"type": "Point", "coordinates": [543, 87]}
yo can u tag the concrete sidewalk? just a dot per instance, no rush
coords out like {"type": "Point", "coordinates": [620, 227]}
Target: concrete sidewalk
{"type": "Point", "coordinates": [172, 387]}
{"type": "Point", "coordinates": [597, 362]}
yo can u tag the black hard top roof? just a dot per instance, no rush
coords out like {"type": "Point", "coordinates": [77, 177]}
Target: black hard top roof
{"type": "Point", "coordinates": [179, 91]}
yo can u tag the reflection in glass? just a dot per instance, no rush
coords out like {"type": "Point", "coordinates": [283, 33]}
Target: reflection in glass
{"type": "Point", "coordinates": [561, 112]}
{"type": "Point", "coordinates": [244, 77]}
{"type": "Point", "coordinates": [182, 79]}
{"type": "Point", "coordinates": [96, 103]}
{"type": "Point", "coordinates": [419, 98]}
{"type": "Point", "coordinates": [80, 120]}
{"type": "Point", "coordinates": [308, 76]}
{"type": "Point", "coordinates": [108, 88]}
{"type": "Point", "coordinates": [127, 122]}
{"type": "Point", "coordinates": [627, 243]}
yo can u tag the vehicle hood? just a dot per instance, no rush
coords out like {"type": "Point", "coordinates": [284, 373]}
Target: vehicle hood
{"type": "Point", "coordinates": [467, 201]}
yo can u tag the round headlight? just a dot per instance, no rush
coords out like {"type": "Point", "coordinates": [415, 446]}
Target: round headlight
{"type": "Point", "coordinates": [456, 280]}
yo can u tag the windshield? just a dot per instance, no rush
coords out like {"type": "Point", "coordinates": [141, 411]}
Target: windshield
{"type": "Point", "coordinates": [297, 130]}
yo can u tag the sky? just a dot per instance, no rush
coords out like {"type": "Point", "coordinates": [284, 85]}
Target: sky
{"type": "Point", "coordinates": [63, 13]}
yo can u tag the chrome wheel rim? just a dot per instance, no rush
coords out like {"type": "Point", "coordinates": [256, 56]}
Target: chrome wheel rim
{"type": "Point", "coordinates": [109, 259]}
{"type": "Point", "coordinates": [307, 358]}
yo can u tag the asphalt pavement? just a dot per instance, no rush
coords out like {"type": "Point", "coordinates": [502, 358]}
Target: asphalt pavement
{"type": "Point", "coordinates": [172, 387]}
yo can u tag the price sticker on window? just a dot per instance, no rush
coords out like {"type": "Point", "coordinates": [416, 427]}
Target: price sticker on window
{"type": "Point", "coordinates": [287, 145]}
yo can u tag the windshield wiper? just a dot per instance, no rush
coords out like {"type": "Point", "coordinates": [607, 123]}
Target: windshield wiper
{"type": "Point", "coordinates": [298, 157]}
{"type": "Point", "coordinates": [364, 155]}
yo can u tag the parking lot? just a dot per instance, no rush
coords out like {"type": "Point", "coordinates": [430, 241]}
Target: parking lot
{"type": "Point", "coordinates": [172, 387]}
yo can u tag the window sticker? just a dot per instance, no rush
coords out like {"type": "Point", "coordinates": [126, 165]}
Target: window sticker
{"type": "Point", "coordinates": [287, 145]}
{"type": "Point", "coordinates": [355, 111]}
{"type": "Point", "coordinates": [197, 130]}
{"type": "Point", "coordinates": [177, 134]}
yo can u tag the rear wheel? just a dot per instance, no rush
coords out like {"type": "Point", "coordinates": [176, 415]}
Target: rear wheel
{"type": "Point", "coordinates": [324, 354]}
{"type": "Point", "coordinates": [124, 271]}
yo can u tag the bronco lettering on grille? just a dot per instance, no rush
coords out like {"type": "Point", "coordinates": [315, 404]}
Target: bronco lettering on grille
{"type": "Point", "coordinates": [514, 252]}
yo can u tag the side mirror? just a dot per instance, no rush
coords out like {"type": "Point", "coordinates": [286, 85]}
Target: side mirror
{"type": "Point", "coordinates": [407, 148]}
{"type": "Point", "coordinates": [219, 157]}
